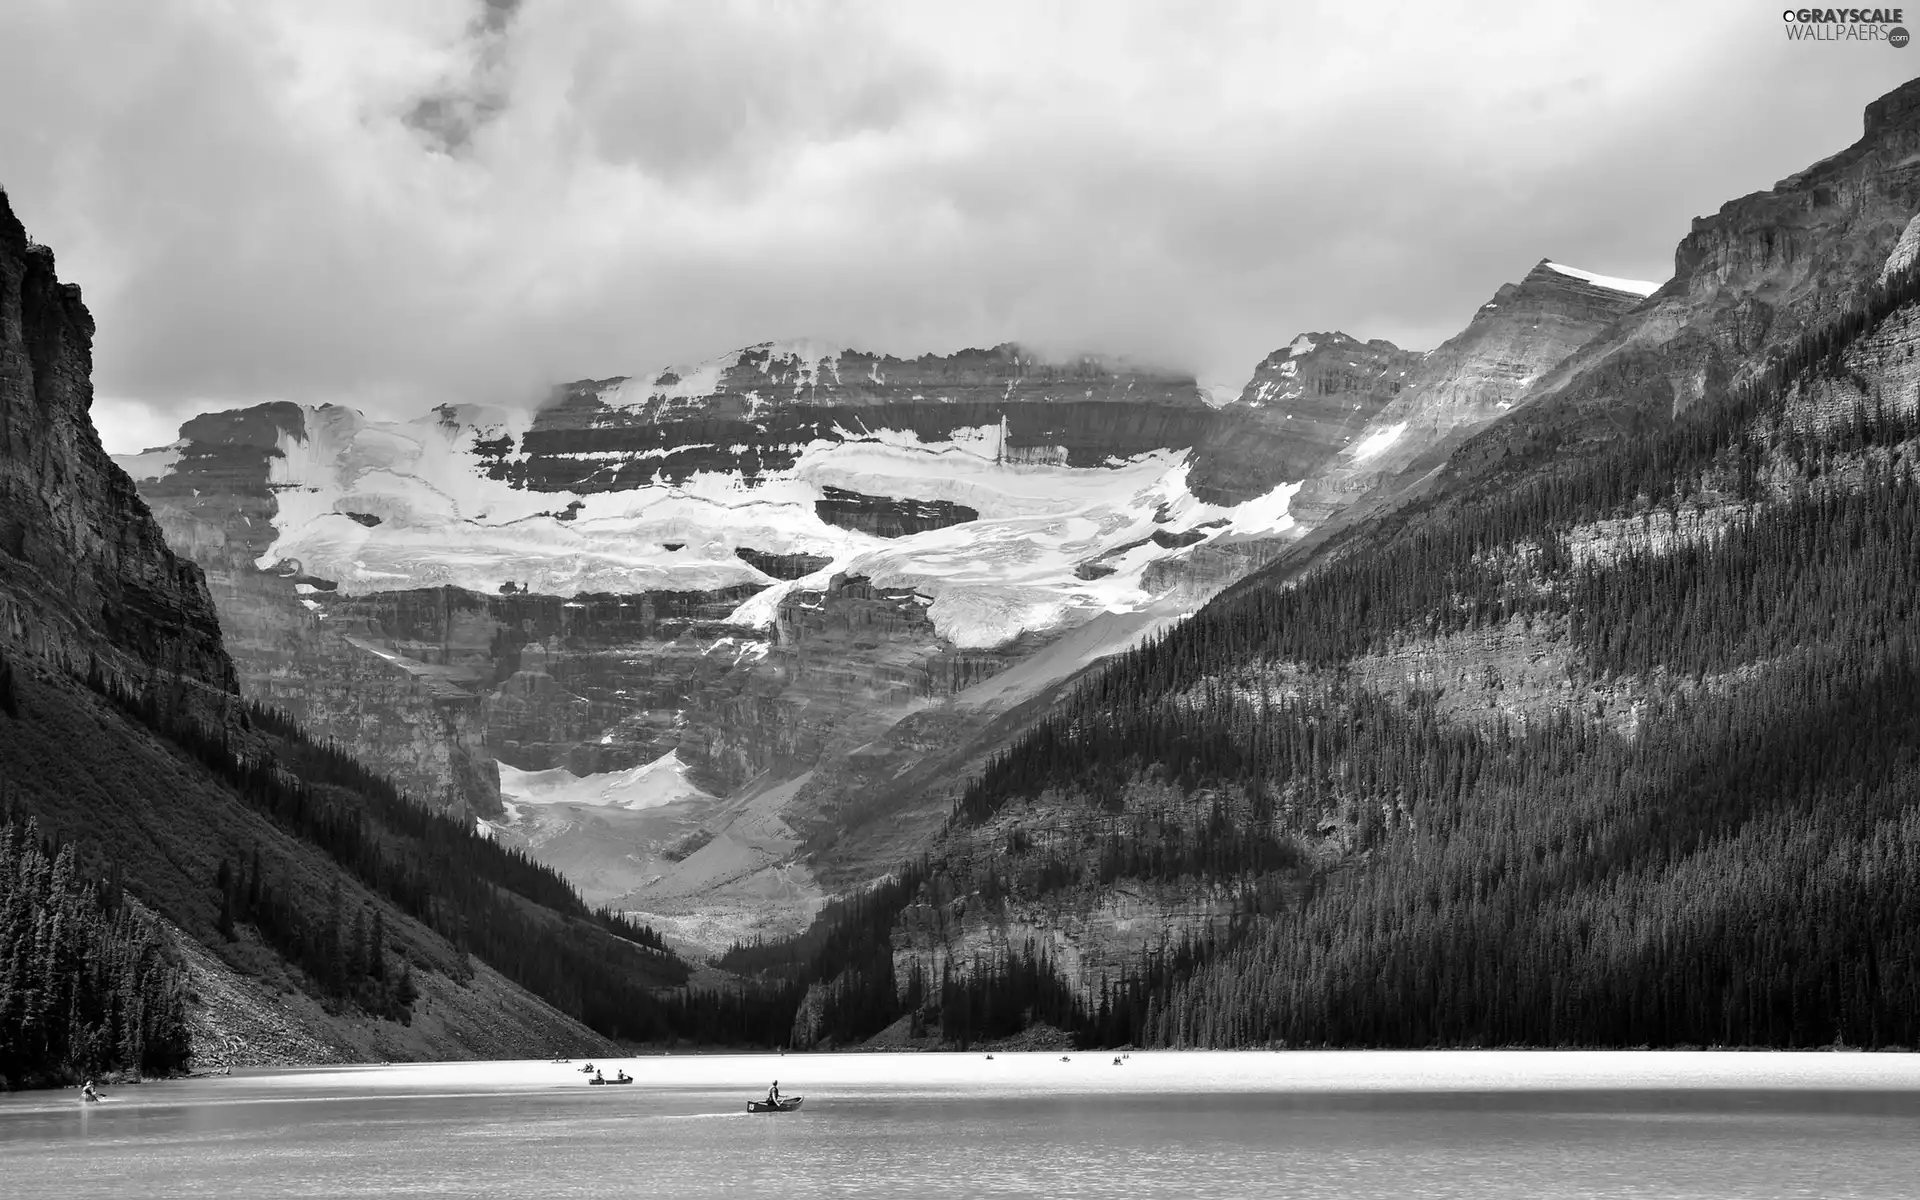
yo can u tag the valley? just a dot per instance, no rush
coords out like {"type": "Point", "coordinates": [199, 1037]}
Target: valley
{"type": "Point", "coordinates": [819, 586]}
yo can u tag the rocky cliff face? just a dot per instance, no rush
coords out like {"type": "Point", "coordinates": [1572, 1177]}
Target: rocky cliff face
{"type": "Point", "coordinates": [212, 495]}
{"type": "Point", "coordinates": [1748, 279]}
{"type": "Point", "coordinates": [1303, 405]}
{"type": "Point", "coordinates": [83, 567]}
{"type": "Point", "coordinates": [1475, 377]}
{"type": "Point", "coordinates": [1345, 415]}
{"type": "Point", "coordinates": [844, 663]}
{"type": "Point", "coordinates": [752, 412]}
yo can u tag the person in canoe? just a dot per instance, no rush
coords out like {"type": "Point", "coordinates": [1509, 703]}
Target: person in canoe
{"type": "Point", "coordinates": [773, 1094]}
{"type": "Point", "coordinates": [621, 1078]}
{"type": "Point", "coordinates": [87, 1094]}
{"type": "Point", "coordinates": [599, 1078]}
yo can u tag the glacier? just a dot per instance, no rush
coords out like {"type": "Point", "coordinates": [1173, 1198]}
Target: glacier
{"type": "Point", "coordinates": [373, 505]}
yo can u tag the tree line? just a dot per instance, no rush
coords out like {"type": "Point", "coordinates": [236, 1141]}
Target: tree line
{"type": "Point", "coordinates": [86, 987]}
{"type": "Point", "coordinates": [348, 962]}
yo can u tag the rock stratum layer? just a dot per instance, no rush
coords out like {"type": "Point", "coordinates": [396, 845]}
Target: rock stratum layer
{"type": "Point", "coordinates": [754, 411]}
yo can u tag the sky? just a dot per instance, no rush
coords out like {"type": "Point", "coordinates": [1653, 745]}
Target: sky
{"type": "Point", "coordinates": [396, 205]}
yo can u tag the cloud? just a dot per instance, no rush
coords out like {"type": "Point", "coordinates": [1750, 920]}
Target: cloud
{"type": "Point", "coordinates": [397, 205]}
{"type": "Point", "coordinates": [449, 114]}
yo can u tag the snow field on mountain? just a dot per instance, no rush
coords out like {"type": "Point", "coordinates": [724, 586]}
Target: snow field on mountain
{"type": "Point", "coordinates": [1379, 440]}
{"type": "Point", "coordinates": [1638, 287]}
{"type": "Point", "coordinates": [652, 785]}
{"type": "Point", "coordinates": [441, 521]}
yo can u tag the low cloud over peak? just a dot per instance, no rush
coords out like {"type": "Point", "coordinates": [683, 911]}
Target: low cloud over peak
{"type": "Point", "coordinates": [399, 205]}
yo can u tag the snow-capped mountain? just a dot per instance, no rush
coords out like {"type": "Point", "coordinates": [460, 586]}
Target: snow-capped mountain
{"type": "Point", "coordinates": [1014, 499]}
{"type": "Point", "coordinates": [806, 582]}
{"type": "Point", "coordinates": [1340, 413]}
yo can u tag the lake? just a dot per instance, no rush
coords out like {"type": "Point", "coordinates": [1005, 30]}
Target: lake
{"type": "Point", "coordinates": [1306, 1124]}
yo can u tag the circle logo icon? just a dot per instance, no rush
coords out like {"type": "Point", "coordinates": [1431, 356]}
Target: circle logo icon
{"type": "Point", "coordinates": [1898, 37]}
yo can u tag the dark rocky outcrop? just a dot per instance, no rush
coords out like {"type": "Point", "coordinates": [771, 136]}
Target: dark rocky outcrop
{"type": "Point", "coordinates": [1304, 404]}
{"type": "Point", "coordinates": [84, 570]}
{"type": "Point", "coordinates": [1310, 405]}
{"type": "Point", "coordinates": [885, 517]}
{"type": "Point", "coordinates": [846, 663]}
{"type": "Point", "coordinates": [216, 504]}
{"type": "Point", "coordinates": [782, 566]}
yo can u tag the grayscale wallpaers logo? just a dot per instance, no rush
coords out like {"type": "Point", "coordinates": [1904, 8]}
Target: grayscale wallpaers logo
{"type": "Point", "coordinates": [1846, 25]}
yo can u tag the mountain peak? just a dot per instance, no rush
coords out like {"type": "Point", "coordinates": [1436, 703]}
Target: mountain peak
{"type": "Point", "coordinates": [1612, 283]}
{"type": "Point", "coordinates": [1898, 108]}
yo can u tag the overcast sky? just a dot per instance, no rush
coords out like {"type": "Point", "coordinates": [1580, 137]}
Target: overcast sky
{"type": "Point", "coordinates": [394, 204]}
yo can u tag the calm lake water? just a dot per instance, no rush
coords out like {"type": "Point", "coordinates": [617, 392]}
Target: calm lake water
{"type": "Point", "coordinates": [1164, 1124]}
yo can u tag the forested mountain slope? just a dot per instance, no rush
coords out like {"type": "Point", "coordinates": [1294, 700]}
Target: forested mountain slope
{"type": "Point", "coordinates": [1606, 736]}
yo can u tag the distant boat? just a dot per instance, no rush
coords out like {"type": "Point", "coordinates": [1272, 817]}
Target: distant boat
{"type": "Point", "coordinates": [790, 1104]}
{"type": "Point", "coordinates": [623, 1077]}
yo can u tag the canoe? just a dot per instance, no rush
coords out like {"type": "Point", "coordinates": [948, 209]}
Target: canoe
{"type": "Point", "coordinates": [609, 1082]}
{"type": "Point", "coordinates": [791, 1104]}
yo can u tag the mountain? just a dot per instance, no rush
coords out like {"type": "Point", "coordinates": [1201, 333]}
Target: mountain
{"type": "Point", "coordinates": [752, 413]}
{"type": "Point", "coordinates": [819, 586]}
{"type": "Point", "coordinates": [1304, 404]}
{"type": "Point", "coordinates": [739, 570]}
{"type": "Point", "coordinates": [1768, 268]}
{"type": "Point", "coordinates": [807, 578]}
{"type": "Point", "coordinates": [1370, 410]}
{"type": "Point", "coordinates": [1591, 726]}
{"type": "Point", "coordinates": [249, 893]}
